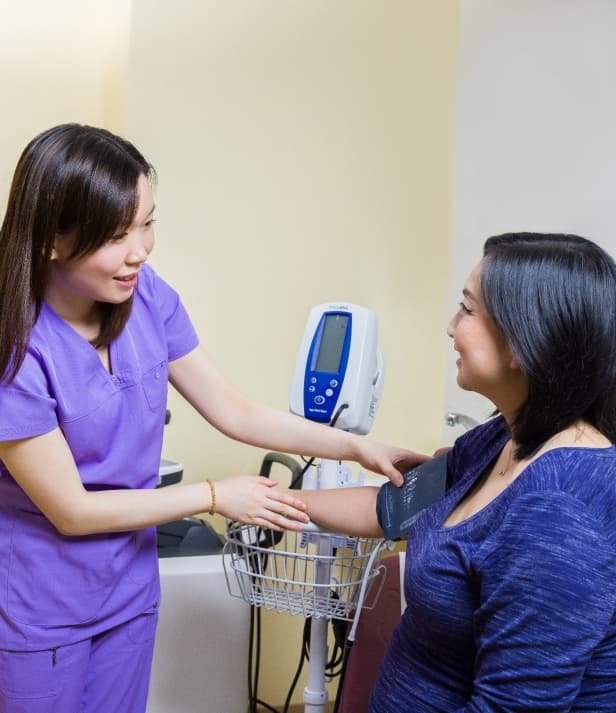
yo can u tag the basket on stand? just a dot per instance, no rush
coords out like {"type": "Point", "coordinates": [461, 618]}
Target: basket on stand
{"type": "Point", "coordinates": [312, 573]}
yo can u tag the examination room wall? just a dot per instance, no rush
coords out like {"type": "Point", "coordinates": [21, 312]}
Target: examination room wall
{"type": "Point", "coordinates": [61, 61]}
{"type": "Point", "coordinates": [303, 152]}
{"type": "Point", "coordinates": [535, 134]}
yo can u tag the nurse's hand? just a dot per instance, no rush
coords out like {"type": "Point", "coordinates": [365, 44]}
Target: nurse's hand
{"type": "Point", "coordinates": [388, 460]}
{"type": "Point", "coordinates": [254, 500]}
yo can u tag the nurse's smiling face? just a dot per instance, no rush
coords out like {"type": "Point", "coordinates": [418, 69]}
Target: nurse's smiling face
{"type": "Point", "coordinates": [110, 273]}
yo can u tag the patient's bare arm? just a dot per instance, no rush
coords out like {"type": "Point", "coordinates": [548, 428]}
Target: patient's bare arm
{"type": "Point", "coordinates": [348, 510]}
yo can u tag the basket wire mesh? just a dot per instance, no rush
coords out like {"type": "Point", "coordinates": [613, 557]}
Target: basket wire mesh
{"type": "Point", "coordinates": [313, 573]}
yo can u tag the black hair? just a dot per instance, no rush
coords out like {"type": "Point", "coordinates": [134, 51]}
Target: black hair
{"type": "Point", "coordinates": [69, 179]}
{"type": "Point", "coordinates": [554, 298]}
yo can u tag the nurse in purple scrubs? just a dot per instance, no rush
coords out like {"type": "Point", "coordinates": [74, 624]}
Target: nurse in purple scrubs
{"type": "Point", "coordinates": [90, 337]}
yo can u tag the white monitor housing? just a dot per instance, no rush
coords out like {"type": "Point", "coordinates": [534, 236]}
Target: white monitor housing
{"type": "Point", "coordinates": [339, 368]}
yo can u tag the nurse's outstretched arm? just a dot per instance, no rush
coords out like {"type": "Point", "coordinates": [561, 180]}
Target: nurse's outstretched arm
{"type": "Point", "coordinates": [43, 466]}
{"type": "Point", "coordinates": [243, 419]}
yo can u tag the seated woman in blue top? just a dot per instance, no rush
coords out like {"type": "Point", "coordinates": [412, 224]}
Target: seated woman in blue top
{"type": "Point", "coordinates": [510, 577]}
{"type": "Point", "coordinates": [90, 337]}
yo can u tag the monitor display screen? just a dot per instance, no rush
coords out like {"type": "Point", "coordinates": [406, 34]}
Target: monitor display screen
{"type": "Point", "coordinates": [332, 343]}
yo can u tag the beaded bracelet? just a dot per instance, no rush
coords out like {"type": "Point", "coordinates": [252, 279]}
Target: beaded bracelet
{"type": "Point", "coordinates": [212, 510]}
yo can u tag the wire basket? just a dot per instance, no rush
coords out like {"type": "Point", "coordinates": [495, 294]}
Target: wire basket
{"type": "Point", "coordinates": [313, 573]}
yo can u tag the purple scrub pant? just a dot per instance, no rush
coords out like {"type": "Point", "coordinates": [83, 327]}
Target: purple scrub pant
{"type": "Point", "coordinates": [109, 673]}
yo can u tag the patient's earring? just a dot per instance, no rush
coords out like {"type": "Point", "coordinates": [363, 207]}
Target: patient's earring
{"type": "Point", "coordinates": [53, 253]}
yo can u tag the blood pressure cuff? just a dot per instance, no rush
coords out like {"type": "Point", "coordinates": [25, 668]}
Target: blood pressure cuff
{"type": "Point", "coordinates": [398, 508]}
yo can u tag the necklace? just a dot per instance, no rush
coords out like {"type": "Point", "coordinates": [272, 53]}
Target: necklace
{"type": "Point", "coordinates": [502, 472]}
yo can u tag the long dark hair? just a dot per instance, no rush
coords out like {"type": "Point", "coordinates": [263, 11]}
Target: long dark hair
{"type": "Point", "coordinates": [71, 178]}
{"type": "Point", "coordinates": [554, 298]}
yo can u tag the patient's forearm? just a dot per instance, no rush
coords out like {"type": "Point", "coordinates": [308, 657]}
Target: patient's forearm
{"type": "Point", "coordinates": [348, 510]}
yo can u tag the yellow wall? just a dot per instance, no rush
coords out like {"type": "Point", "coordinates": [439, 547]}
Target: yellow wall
{"type": "Point", "coordinates": [303, 151]}
{"type": "Point", "coordinates": [61, 61]}
{"type": "Point", "coordinates": [303, 154]}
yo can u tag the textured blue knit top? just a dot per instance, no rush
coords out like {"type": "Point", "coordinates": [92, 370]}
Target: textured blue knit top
{"type": "Point", "coordinates": [513, 609]}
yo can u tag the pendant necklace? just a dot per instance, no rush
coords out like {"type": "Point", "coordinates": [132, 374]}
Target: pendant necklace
{"type": "Point", "coordinates": [502, 472]}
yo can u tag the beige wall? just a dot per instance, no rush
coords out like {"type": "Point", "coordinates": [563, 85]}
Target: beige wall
{"type": "Point", "coordinates": [303, 155]}
{"type": "Point", "coordinates": [61, 61]}
{"type": "Point", "coordinates": [303, 151]}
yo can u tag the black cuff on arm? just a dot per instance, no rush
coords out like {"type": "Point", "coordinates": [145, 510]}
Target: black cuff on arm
{"type": "Point", "coordinates": [398, 508]}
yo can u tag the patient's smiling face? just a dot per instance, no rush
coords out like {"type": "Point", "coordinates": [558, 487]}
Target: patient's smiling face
{"type": "Point", "coordinates": [486, 364]}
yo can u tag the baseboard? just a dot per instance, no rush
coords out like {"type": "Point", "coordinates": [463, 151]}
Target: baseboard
{"type": "Point", "coordinates": [299, 708]}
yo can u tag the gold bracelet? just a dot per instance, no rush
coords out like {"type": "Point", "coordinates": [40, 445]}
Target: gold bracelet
{"type": "Point", "coordinates": [212, 510]}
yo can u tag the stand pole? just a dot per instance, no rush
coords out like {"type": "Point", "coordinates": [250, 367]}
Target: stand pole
{"type": "Point", "coordinates": [315, 693]}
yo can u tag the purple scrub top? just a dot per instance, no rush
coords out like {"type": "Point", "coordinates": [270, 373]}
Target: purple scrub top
{"type": "Point", "coordinates": [55, 589]}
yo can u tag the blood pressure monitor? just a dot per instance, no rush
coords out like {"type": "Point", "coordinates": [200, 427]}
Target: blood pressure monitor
{"type": "Point", "coordinates": [339, 369]}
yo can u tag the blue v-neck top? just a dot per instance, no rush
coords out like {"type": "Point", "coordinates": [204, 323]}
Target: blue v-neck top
{"type": "Point", "coordinates": [514, 608]}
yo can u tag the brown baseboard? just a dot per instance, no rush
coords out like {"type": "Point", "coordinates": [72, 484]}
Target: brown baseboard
{"type": "Point", "coordinates": [299, 708]}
